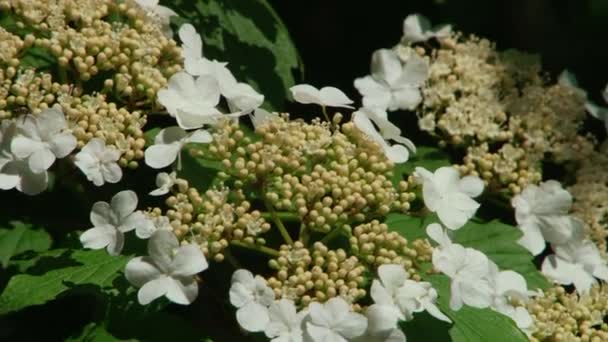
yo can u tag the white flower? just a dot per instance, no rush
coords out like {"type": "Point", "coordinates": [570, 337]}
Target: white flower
{"type": "Point", "coordinates": [334, 321]}
{"type": "Point", "coordinates": [14, 172]}
{"type": "Point", "coordinates": [168, 144]}
{"type": "Point", "coordinates": [541, 213]}
{"type": "Point", "coordinates": [99, 162]}
{"type": "Point", "coordinates": [576, 262]}
{"type": "Point", "coordinates": [396, 153]}
{"type": "Point", "coordinates": [191, 101]}
{"type": "Point", "coordinates": [326, 97]}
{"type": "Point", "coordinates": [168, 270]}
{"type": "Point", "coordinates": [159, 13]}
{"type": "Point", "coordinates": [507, 285]}
{"type": "Point", "coordinates": [448, 195]}
{"type": "Point", "coordinates": [285, 323]}
{"type": "Point", "coordinates": [468, 270]}
{"type": "Point", "coordinates": [111, 221]}
{"type": "Point", "coordinates": [393, 85]}
{"type": "Point", "coordinates": [397, 298]}
{"type": "Point", "coordinates": [164, 182]}
{"type": "Point", "coordinates": [42, 138]}
{"type": "Point", "coordinates": [241, 97]}
{"type": "Point", "coordinates": [251, 296]}
{"type": "Point", "coordinates": [417, 28]}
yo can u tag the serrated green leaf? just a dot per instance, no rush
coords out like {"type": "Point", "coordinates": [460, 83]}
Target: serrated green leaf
{"type": "Point", "coordinates": [88, 268]}
{"type": "Point", "coordinates": [471, 324]}
{"type": "Point", "coordinates": [499, 242]}
{"type": "Point", "coordinates": [22, 238]}
{"type": "Point", "coordinates": [431, 158]}
{"type": "Point", "coordinates": [250, 36]}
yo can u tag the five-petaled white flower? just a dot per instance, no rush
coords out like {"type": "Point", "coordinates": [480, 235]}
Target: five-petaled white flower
{"type": "Point", "coordinates": [417, 28]}
{"type": "Point", "coordinates": [393, 85]}
{"type": "Point", "coordinates": [285, 323]}
{"type": "Point", "coordinates": [99, 162]}
{"type": "Point", "coordinates": [448, 195]}
{"type": "Point", "coordinates": [191, 101]}
{"type": "Point", "coordinates": [467, 268]}
{"type": "Point", "coordinates": [542, 214]}
{"type": "Point", "coordinates": [576, 262]}
{"type": "Point", "coordinates": [112, 220]}
{"type": "Point", "coordinates": [15, 172]}
{"type": "Point", "coordinates": [159, 13]}
{"type": "Point", "coordinates": [42, 138]}
{"type": "Point", "coordinates": [164, 182]}
{"type": "Point", "coordinates": [325, 97]}
{"type": "Point", "coordinates": [334, 321]}
{"type": "Point", "coordinates": [397, 298]}
{"type": "Point", "coordinates": [168, 270]}
{"type": "Point", "coordinates": [363, 119]}
{"type": "Point", "coordinates": [252, 297]}
{"type": "Point", "coordinates": [168, 145]}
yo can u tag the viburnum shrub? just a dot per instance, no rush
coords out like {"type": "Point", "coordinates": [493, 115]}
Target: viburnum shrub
{"type": "Point", "coordinates": [333, 228]}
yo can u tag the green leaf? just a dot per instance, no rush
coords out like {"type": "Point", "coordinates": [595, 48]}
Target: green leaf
{"type": "Point", "coordinates": [93, 332]}
{"type": "Point", "coordinates": [431, 158]}
{"type": "Point", "coordinates": [499, 242]}
{"type": "Point", "coordinates": [410, 227]}
{"type": "Point", "coordinates": [84, 267]}
{"type": "Point", "coordinates": [199, 172]}
{"type": "Point", "coordinates": [471, 324]}
{"type": "Point", "coordinates": [250, 36]}
{"type": "Point", "coordinates": [37, 58]}
{"type": "Point", "coordinates": [22, 238]}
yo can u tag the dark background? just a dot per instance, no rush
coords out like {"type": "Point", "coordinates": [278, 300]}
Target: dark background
{"type": "Point", "coordinates": [336, 38]}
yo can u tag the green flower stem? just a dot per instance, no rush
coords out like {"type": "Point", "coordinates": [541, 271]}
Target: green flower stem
{"type": "Point", "coordinates": [324, 110]}
{"type": "Point", "coordinates": [332, 235]}
{"type": "Point", "coordinates": [270, 252]}
{"type": "Point", "coordinates": [278, 222]}
{"type": "Point", "coordinates": [282, 215]}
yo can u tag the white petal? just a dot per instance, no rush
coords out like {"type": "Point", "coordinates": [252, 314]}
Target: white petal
{"type": "Point", "coordinates": [375, 94]}
{"type": "Point", "coordinates": [240, 295]}
{"type": "Point", "coordinates": [353, 325]}
{"type": "Point", "coordinates": [192, 44]}
{"type": "Point", "coordinates": [188, 260]}
{"type": "Point", "coordinates": [532, 238]}
{"type": "Point", "coordinates": [334, 97]}
{"type": "Point", "coordinates": [200, 136]}
{"type": "Point", "coordinates": [152, 290]}
{"type": "Point", "coordinates": [434, 311]}
{"type": "Point", "coordinates": [382, 317]}
{"type": "Point", "coordinates": [115, 247]}
{"type": "Point", "coordinates": [32, 183]}
{"type": "Point", "coordinates": [111, 173]}
{"type": "Point", "coordinates": [160, 156]}
{"type": "Point", "coordinates": [170, 135]}
{"type": "Point", "coordinates": [160, 248]}
{"type": "Point", "coordinates": [63, 144]}
{"type": "Point", "coordinates": [136, 220]}
{"type": "Point", "coordinates": [379, 293]}
{"type": "Point", "coordinates": [141, 270]}
{"type": "Point", "coordinates": [208, 90]}
{"type": "Point", "coordinates": [51, 121]}
{"type": "Point", "coordinates": [101, 214]}
{"type": "Point", "coordinates": [196, 117]}
{"type": "Point", "coordinates": [386, 66]}
{"type": "Point", "coordinates": [305, 94]}
{"type": "Point", "coordinates": [511, 283]}
{"type": "Point", "coordinates": [253, 317]}
{"type": "Point", "coordinates": [396, 153]}
{"type": "Point", "coordinates": [183, 291]}
{"type": "Point", "coordinates": [438, 234]}
{"type": "Point", "coordinates": [415, 72]}
{"type": "Point", "coordinates": [407, 98]}
{"type": "Point", "coordinates": [98, 237]}
{"type": "Point", "coordinates": [124, 203]}
{"type": "Point", "coordinates": [472, 186]}
{"type": "Point", "coordinates": [392, 276]}
{"type": "Point", "coordinates": [41, 160]}
{"type": "Point", "coordinates": [23, 147]}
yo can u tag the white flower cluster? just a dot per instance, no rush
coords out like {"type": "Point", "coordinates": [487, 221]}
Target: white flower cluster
{"type": "Point", "coordinates": [542, 215]}
{"type": "Point", "coordinates": [168, 270]}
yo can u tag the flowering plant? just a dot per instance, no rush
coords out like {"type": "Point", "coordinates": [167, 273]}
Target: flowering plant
{"type": "Point", "coordinates": [213, 216]}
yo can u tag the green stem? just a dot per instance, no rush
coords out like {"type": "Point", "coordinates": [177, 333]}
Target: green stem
{"type": "Point", "coordinates": [324, 110]}
{"type": "Point", "coordinates": [282, 215]}
{"type": "Point", "coordinates": [278, 222]}
{"type": "Point", "coordinates": [271, 252]}
{"type": "Point", "coordinates": [331, 235]}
